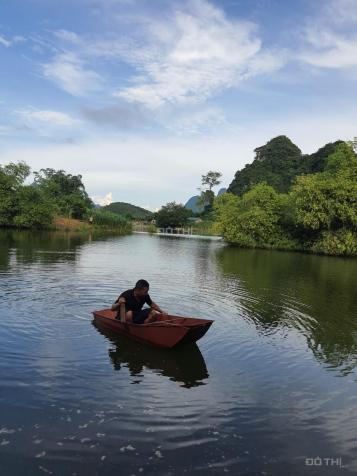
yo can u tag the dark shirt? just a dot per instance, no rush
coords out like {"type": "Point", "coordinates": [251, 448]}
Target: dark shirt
{"type": "Point", "coordinates": [132, 303]}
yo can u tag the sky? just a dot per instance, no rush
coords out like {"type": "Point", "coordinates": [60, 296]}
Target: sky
{"type": "Point", "coordinates": [143, 97]}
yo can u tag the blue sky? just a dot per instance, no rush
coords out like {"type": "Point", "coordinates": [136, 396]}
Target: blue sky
{"type": "Point", "coordinates": [142, 97]}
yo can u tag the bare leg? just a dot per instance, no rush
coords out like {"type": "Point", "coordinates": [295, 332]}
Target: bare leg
{"type": "Point", "coordinates": [151, 317]}
{"type": "Point", "coordinates": [129, 316]}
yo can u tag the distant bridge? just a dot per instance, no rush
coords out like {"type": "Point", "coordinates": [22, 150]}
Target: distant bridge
{"type": "Point", "coordinates": [182, 232]}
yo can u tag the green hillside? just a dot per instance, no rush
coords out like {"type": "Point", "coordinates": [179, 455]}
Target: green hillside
{"type": "Point", "coordinates": [278, 163]}
{"type": "Point", "coordinates": [317, 213]}
{"type": "Point", "coordinates": [126, 209]}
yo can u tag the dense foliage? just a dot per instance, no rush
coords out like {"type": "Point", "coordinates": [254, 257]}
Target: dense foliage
{"type": "Point", "coordinates": [319, 212]}
{"type": "Point", "coordinates": [278, 163]}
{"type": "Point", "coordinates": [172, 215]}
{"type": "Point", "coordinates": [106, 219]}
{"type": "Point", "coordinates": [129, 211]}
{"type": "Point", "coordinates": [65, 191]}
{"type": "Point", "coordinates": [53, 193]}
{"type": "Point", "coordinates": [22, 205]}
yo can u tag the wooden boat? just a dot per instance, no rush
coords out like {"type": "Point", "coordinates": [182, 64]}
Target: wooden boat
{"type": "Point", "coordinates": [167, 331]}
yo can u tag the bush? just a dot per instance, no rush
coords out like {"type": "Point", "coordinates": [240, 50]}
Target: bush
{"type": "Point", "coordinates": [152, 228]}
{"type": "Point", "coordinates": [105, 219]}
{"type": "Point", "coordinates": [172, 215]}
{"type": "Point", "coordinates": [32, 209]}
{"type": "Point", "coordinates": [251, 220]}
{"type": "Point", "coordinates": [341, 242]}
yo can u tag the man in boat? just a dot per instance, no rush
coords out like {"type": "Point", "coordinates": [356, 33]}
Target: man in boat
{"type": "Point", "coordinates": [134, 299]}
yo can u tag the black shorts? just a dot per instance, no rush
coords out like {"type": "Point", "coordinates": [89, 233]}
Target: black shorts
{"type": "Point", "coordinates": [140, 316]}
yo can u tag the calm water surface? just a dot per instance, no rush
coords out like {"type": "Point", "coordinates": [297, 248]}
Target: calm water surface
{"type": "Point", "coordinates": [269, 390]}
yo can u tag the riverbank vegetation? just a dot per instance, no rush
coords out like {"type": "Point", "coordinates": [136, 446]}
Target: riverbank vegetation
{"type": "Point", "coordinates": [54, 200]}
{"type": "Point", "coordinates": [316, 213]}
{"type": "Point", "coordinates": [172, 215]}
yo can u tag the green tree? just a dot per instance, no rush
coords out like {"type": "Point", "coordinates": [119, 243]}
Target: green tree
{"type": "Point", "coordinates": [353, 144]}
{"type": "Point", "coordinates": [22, 205]}
{"type": "Point", "coordinates": [343, 162]}
{"type": "Point", "coordinates": [318, 214]}
{"type": "Point", "coordinates": [253, 219]}
{"type": "Point", "coordinates": [211, 179]}
{"type": "Point", "coordinates": [8, 192]}
{"type": "Point", "coordinates": [276, 163]}
{"type": "Point", "coordinates": [325, 204]}
{"type": "Point", "coordinates": [328, 200]}
{"type": "Point", "coordinates": [316, 162]}
{"type": "Point", "coordinates": [11, 178]}
{"type": "Point", "coordinates": [17, 172]}
{"type": "Point", "coordinates": [33, 210]}
{"type": "Point", "coordinates": [172, 215]}
{"type": "Point", "coordinates": [66, 191]}
{"type": "Point", "coordinates": [226, 209]}
{"type": "Point", "coordinates": [208, 181]}
{"type": "Point", "coordinates": [338, 242]}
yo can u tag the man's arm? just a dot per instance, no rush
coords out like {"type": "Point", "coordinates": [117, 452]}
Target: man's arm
{"type": "Point", "coordinates": [118, 302]}
{"type": "Point", "coordinates": [157, 308]}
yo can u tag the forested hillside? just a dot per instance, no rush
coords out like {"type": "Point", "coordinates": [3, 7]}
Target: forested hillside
{"type": "Point", "coordinates": [278, 163]}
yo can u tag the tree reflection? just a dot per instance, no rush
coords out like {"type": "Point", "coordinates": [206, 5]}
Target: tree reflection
{"type": "Point", "coordinates": [44, 247]}
{"type": "Point", "coordinates": [314, 294]}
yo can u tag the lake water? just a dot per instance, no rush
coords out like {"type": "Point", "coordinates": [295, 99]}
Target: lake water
{"type": "Point", "coordinates": [271, 389]}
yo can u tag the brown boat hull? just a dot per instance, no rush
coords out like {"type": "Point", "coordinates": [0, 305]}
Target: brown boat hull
{"type": "Point", "coordinates": [166, 332]}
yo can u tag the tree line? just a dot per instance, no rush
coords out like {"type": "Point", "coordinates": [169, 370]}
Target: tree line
{"type": "Point", "coordinates": [51, 193]}
{"type": "Point", "coordinates": [284, 200]}
{"type": "Point", "coordinates": [317, 213]}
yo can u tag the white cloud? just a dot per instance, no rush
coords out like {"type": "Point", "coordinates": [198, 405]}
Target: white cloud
{"type": "Point", "coordinates": [185, 58]}
{"type": "Point", "coordinates": [67, 36]}
{"type": "Point", "coordinates": [5, 42]}
{"type": "Point", "coordinates": [330, 50]}
{"type": "Point", "coordinates": [34, 116]}
{"type": "Point", "coordinates": [341, 12]}
{"type": "Point", "coordinates": [200, 121]}
{"type": "Point", "coordinates": [69, 73]}
{"type": "Point", "coordinates": [14, 40]}
{"type": "Point", "coordinates": [18, 39]}
{"type": "Point", "coordinates": [193, 55]}
{"type": "Point", "coordinates": [158, 170]}
{"type": "Point", "coordinates": [106, 200]}
{"type": "Point", "coordinates": [331, 39]}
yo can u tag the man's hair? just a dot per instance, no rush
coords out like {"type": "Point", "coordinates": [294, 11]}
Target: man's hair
{"type": "Point", "coordinates": [141, 284]}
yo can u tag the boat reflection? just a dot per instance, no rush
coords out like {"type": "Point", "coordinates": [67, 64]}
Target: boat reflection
{"type": "Point", "coordinates": [184, 364]}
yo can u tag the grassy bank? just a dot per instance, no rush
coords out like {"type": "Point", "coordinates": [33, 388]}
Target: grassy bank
{"type": "Point", "coordinates": [203, 228]}
{"type": "Point", "coordinates": [71, 224]}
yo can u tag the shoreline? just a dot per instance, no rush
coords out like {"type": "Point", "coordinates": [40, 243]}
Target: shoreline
{"type": "Point", "coordinates": [77, 226]}
{"type": "Point", "coordinates": [182, 235]}
{"type": "Point", "coordinates": [70, 225]}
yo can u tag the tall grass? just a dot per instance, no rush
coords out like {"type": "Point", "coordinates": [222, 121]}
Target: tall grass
{"type": "Point", "coordinates": [108, 220]}
{"type": "Point", "coordinates": [203, 228]}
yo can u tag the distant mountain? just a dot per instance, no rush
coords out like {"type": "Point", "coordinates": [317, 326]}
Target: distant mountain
{"type": "Point", "coordinates": [126, 209]}
{"type": "Point", "coordinates": [220, 191]}
{"type": "Point", "coordinates": [191, 204]}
